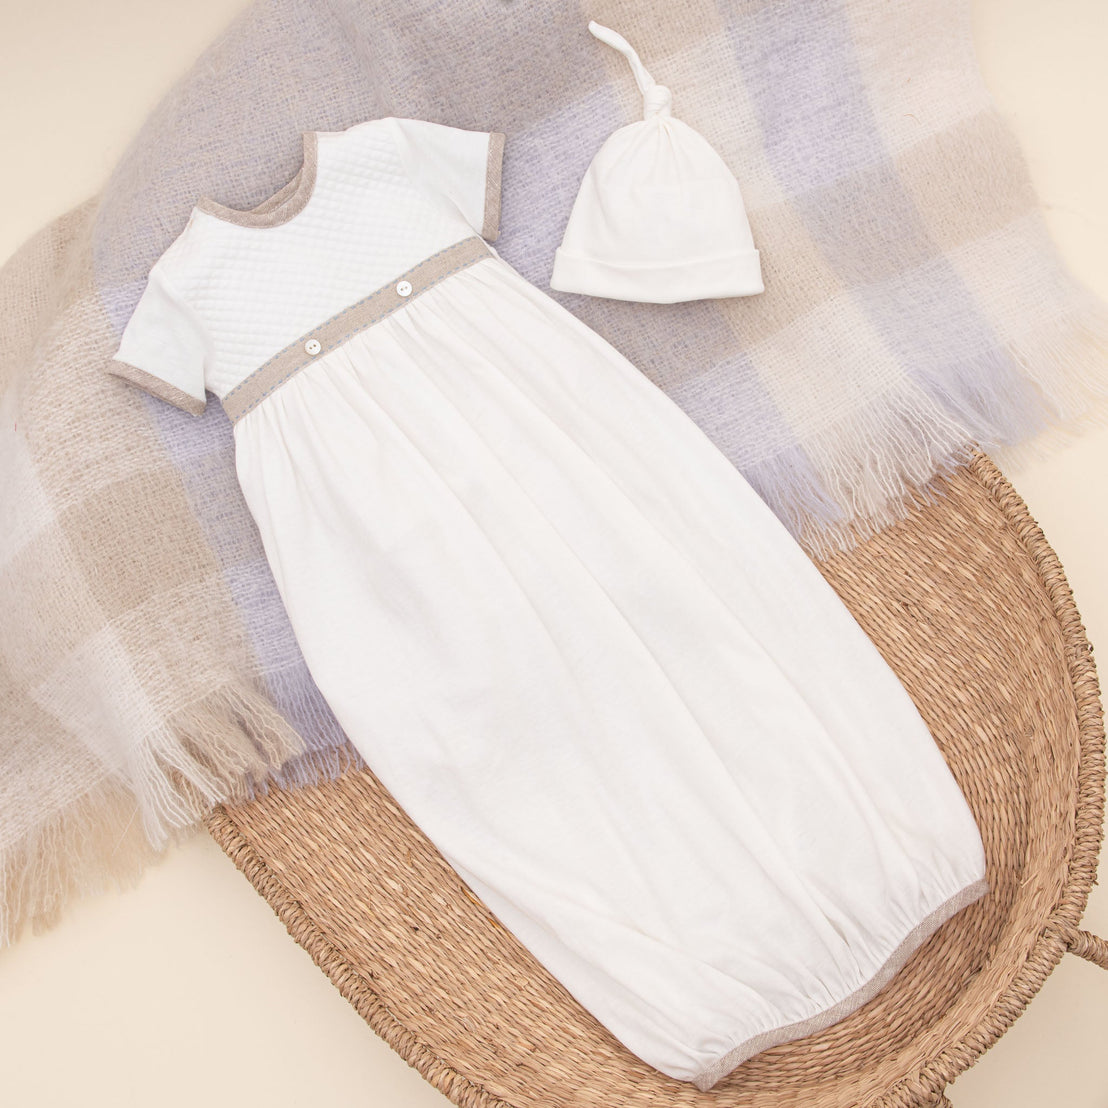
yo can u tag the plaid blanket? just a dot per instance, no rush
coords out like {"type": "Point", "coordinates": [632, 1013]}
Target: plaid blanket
{"type": "Point", "coordinates": [914, 307]}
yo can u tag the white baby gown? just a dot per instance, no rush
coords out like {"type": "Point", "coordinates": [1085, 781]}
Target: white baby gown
{"type": "Point", "coordinates": [558, 624]}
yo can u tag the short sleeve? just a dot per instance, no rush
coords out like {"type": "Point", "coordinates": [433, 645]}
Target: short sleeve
{"type": "Point", "coordinates": [164, 349]}
{"type": "Point", "coordinates": [463, 165]}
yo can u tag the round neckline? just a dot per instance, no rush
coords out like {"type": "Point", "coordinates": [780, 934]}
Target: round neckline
{"type": "Point", "coordinates": [286, 202]}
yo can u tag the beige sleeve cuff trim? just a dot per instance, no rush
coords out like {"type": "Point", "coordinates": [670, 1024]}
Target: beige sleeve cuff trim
{"type": "Point", "coordinates": [157, 387]}
{"type": "Point", "coordinates": [491, 227]}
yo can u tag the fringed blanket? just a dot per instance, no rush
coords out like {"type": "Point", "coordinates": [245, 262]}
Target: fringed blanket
{"type": "Point", "coordinates": [914, 305]}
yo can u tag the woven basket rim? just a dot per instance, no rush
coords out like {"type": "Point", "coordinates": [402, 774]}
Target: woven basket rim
{"type": "Point", "coordinates": [1059, 934]}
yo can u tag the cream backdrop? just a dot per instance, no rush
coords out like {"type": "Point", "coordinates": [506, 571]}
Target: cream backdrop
{"type": "Point", "coordinates": [188, 989]}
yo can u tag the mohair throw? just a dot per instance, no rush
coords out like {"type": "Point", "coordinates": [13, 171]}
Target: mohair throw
{"type": "Point", "coordinates": [914, 307]}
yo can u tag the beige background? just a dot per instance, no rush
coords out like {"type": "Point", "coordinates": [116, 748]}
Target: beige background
{"type": "Point", "coordinates": [187, 990]}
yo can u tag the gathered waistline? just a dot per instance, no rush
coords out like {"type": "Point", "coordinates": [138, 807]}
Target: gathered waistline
{"type": "Point", "coordinates": [313, 344]}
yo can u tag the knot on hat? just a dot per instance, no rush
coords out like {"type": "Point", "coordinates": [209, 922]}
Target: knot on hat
{"type": "Point", "coordinates": [656, 101]}
{"type": "Point", "coordinates": [656, 98]}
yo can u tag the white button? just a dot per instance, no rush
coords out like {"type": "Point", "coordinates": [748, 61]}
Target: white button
{"type": "Point", "coordinates": [312, 346]}
{"type": "Point", "coordinates": [404, 288]}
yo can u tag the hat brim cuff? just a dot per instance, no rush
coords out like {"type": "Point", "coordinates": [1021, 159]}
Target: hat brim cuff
{"type": "Point", "coordinates": [737, 274]}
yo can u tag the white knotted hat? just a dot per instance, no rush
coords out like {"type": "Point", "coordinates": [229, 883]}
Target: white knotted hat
{"type": "Point", "coordinates": [659, 217]}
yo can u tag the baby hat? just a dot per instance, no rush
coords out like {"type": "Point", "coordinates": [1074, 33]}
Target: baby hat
{"type": "Point", "coordinates": [659, 217]}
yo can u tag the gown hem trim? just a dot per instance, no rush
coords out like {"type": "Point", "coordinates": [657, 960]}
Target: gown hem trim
{"type": "Point", "coordinates": [915, 938]}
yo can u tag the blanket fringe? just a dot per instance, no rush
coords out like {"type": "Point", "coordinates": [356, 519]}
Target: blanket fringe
{"type": "Point", "coordinates": [219, 749]}
{"type": "Point", "coordinates": [899, 461]}
{"type": "Point", "coordinates": [228, 747]}
{"type": "Point", "coordinates": [900, 451]}
{"type": "Point", "coordinates": [94, 844]}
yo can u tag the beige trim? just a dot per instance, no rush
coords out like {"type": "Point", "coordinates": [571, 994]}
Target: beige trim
{"type": "Point", "coordinates": [283, 204]}
{"type": "Point", "coordinates": [163, 390]}
{"type": "Point", "coordinates": [250, 392]}
{"type": "Point", "coordinates": [892, 965]}
{"type": "Point", "coordinates": [491, 226]}
{"type": "Point", "coordinates": [280, 195]}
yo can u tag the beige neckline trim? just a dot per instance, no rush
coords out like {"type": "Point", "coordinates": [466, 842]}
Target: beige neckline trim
{"type": "Point", "coordinates": [286, 202]}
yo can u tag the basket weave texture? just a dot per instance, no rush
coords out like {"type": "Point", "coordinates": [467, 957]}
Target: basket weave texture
{"type": "Point", "coordinates": [969, 605]}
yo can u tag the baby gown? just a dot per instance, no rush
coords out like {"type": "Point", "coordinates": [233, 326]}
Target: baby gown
{"type": "Point", "coordinates": [558, 624]}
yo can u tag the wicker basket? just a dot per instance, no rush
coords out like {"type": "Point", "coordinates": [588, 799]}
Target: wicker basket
{"type": "Point", "coordinates": [969, 605]}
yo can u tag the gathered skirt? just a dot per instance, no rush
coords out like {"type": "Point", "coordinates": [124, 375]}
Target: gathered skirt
{"type": "Point", "coordinates": [601, 677]}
